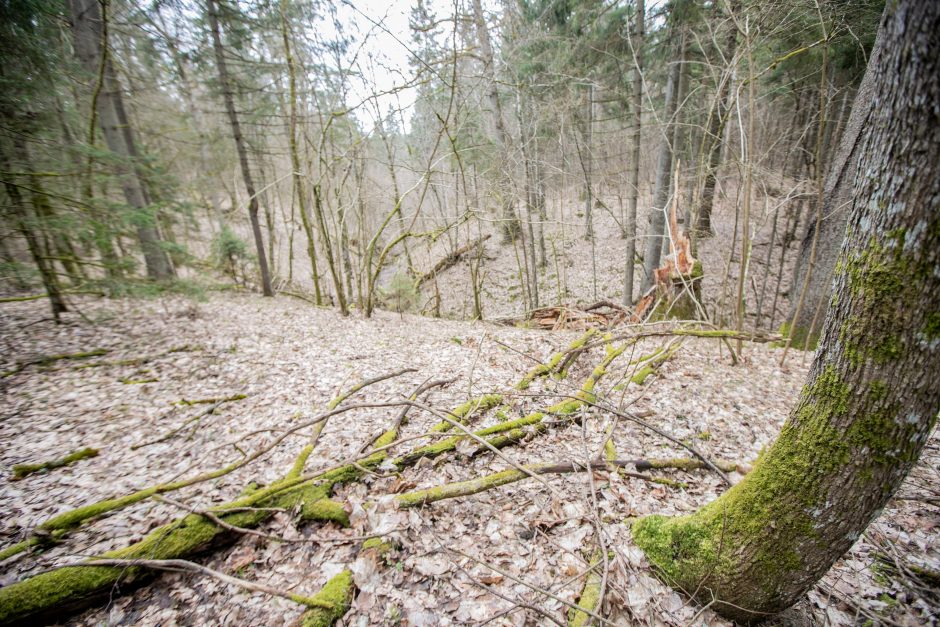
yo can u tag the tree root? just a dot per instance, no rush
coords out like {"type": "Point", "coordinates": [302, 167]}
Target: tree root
{"type": "Point", "coordinates": [23, 470]}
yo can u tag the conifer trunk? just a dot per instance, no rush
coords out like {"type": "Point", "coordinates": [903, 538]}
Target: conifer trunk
{"type": "Point", "coordinates": [213, 8]}
{"type": "Point", "coordinates": [872, 396]}
{"type": "Point", "coordinates": [91, 48]}
{"type": "Point", "coordinates": [638, 39]}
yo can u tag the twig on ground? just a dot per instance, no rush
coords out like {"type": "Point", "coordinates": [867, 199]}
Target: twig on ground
{"type": "Point", "coordinates": [180, 565]}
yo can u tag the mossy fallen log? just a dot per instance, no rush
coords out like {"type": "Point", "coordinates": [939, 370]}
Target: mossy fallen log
{"type": "Point", "coordinates": [55, 594]}
{"type": "Point", "coordinates": [651, 365]}
{"type": "Point", "coordinates": [336, 596]}
{"type": "Point", "coordinates": [686, 463]}
{"type": "Point", "coordinates": [464, 411]}
{"type": "Point", "coordinates": [589, 597]}
{"type": "Point", "coordinates": [56, 526]}
{"type": "Point", "coordinates": [337, 593]}
{"type": "Point", "coordinates": [554, 363]}
{"type": "Point", "coordinates": [457, 489]}
{"type": "Point", "coordinates": [513, 430]}
{"type": "Point", "coordinates": [449, 261]}
{"type": "Point", "coordinates": [24, 470]}
{"type": "Point", "coordinates": [20, 299]}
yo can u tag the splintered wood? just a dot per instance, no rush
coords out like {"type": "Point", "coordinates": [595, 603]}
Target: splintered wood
{"type": "Point", "coordinates": [603, 315]}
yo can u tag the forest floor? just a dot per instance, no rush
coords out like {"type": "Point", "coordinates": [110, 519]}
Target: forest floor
{"type": "Point", "coordinates": [511, 555]}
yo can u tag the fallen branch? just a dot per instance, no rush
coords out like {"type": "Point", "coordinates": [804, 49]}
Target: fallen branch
{"type": "Point", "coordinates": [554, 364]}
{"type": "Point", "coordinates": [57, 593]}
{"type": "Point", "coordinates": [547, 593]}
{"type": "Point", "coordinates": [339, 590]}
{"type": "Point", "coordinates": [513, 430]}
{"type": "Point", "coordinates": [420, 498]}
{"type": "Point", "coordinates": [214, 401]}
{"type": "Point", "coordinates": [44, 360]}
{"type": "Point", "coordinates": [23, 470]}
{"type": "Point", "coordinates": [589, 598]}
{"type": "Point", "coordinates": [54, 527]}
{"type": "Point", "coordinates": [171, 434]}
{"type": "Point", "coordinates": [179, 565]}
{"type": "Point", "coordinates": [684, 463]}
{"type": "Point", "coordinates": [634, 418]}
{"type": "Point", "coordinates": [652, 363]}
{"type": "Point", "coordinates": [450, 260]}
{"type": "Point", "coordinates": [19, 299]}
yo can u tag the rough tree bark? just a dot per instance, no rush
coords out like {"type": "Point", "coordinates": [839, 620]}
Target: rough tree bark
{"type": "Point", "coordinates": [510, 225]}
{"type": "Point", "coordinates": [872, 396]}
{"type": "Point", "coordinates": [91, 48]}
{"type": "Point", "coordinates": [634, 191]}
{"type": "Point", "coordinates": [657, 217]}
{"type": "Point", "coordinates": [212, 14]}
{"type": "Point", "coordinates": [22, 220]}
{"type": "Point", "coordinates": [300, 189]}
{"type": "Point", "coordinates": [837, 199]}
{"type": "Point", "coordinates": [716, 129]}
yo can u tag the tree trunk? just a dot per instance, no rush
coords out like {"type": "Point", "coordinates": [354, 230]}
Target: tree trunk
{"type": "Point", "coordinates": [872, 395]}
{"type": "Point", "coordinates": [716, 129]}
{"type": "Point", "coordinates": [266, 288]}
{"type": "Point", "coordinates": [637, 43]}
{"type": "Point", "coordinates": [657, 216]}
{"type": "Point", "coordinates": [837, 194]}
{"type": "Point", "coordinates": [23, 224]}
{"type": "Point", "coordinates": [510, 224]}
{"type": "Point", "coordinates": [299, 188]}
{"type": "Point", "coordinates": [90, 39]}
{"type": "Point", "coordinates": [587, 161]}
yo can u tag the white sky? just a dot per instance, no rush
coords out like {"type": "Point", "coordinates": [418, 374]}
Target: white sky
{"type": "Point", "coordinates": [381, 36]}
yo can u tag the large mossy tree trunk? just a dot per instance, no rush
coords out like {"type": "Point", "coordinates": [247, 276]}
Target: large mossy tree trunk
{"type": "Point", "coordinates": [872, 396]}
{"type": "Point", "coordinates": [90, 39]}
{"type": "Point", "coordinates": [837, 197]}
